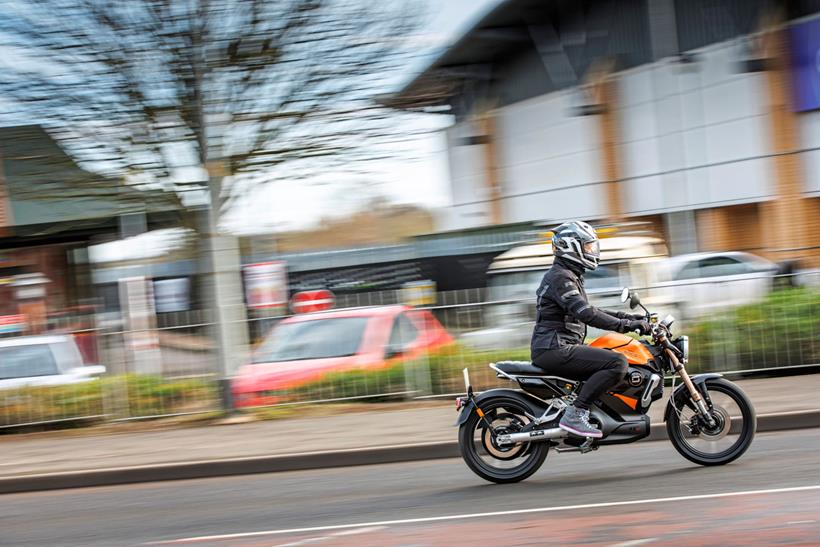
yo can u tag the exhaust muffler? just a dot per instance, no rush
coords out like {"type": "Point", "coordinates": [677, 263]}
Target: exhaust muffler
{"type": "Point", "coordinates": [535, 436]}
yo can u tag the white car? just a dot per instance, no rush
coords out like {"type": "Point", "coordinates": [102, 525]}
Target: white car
{"type": "Point", "coordinates": [626, 261]}
{"type": "Point", "coordinates": [701, 283]}
{"type": "Point", "coordinates": [48, 360]}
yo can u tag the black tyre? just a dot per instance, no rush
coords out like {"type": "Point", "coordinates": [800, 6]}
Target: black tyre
{"type": "Point", "coordinates": [490, 461]}
{"type": "Point", "coordinates": [732, 435]}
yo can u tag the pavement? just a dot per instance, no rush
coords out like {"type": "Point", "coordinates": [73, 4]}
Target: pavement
{"type": "Point", "coordinates": [639, 494]}
{"type": "Point", "coordinates": [421, 431]}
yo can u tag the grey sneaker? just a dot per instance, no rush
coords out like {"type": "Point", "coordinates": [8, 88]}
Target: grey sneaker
{"type": "Point", "coordinates": [576, 421]}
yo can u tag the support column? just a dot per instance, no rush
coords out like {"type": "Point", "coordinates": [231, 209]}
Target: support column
{"type": "Point", "coordinates": [230, 320]}
{"type": "Point", "coordinates": [714, 229]}
{"type": "Point", "coordinates": [784, 217]}
{"type": "Point", "coordinates": [608, 128]}
{"type": "Point", "coordinates": [486, 126]}
{"type": "Point", "coordinates": [681, 232]}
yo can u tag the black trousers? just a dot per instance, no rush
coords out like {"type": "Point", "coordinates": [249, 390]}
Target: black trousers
{"type": "Point", "coordinates": [600, 369]}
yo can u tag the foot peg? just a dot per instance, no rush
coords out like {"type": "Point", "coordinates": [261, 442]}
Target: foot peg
{"type": "Point", "coordinates": [585, 447]}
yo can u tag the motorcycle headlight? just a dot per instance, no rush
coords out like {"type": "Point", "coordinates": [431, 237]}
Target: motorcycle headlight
{"type": "Point", "coordinates": [683, 346]}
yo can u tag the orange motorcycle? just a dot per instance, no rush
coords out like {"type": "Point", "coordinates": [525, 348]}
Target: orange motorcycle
{"type": "Point", "coordinates": [505, 434]}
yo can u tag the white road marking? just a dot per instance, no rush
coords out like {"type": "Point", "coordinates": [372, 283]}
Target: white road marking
{"type": "Point", "coordinates": [308, 541]}
{"type": "Point", "coordinates": [482, 515]}
{"type": "Point", "coordinates": [791, 522]}
{"type": "Point", "coordinates": [634, 542]}
{"type": "Point", "coordinates": [319, 539]}
{"type": "Point", "coordinates": [358, 531]}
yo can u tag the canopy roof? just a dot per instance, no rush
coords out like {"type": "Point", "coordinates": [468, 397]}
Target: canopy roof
{"type": "Point", "coordinates": [524, 48]}
{"type": "Point", "coordinates": [46, 190]}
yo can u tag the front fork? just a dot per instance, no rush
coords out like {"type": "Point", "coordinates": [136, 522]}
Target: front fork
{"type": "Point", "coordinates": [693, 391]}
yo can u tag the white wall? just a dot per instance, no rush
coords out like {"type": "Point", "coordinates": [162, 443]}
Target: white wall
{"type": "Point", "coordinates": [810, 141]}
{"type": "Point", "coordinates": [549, 161]}
{"type": "Point", "coordinates": [549, 166]}
{"type": "Point", "coordinates": [693, 135]}
{"type": "Point", "coordinates": [468, 184]}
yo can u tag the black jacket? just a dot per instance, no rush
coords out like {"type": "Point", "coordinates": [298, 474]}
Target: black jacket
{"type": "Point", "coordinates": [563, 311]}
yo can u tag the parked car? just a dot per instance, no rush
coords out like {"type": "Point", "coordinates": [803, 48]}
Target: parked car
{"type": "Point", "coordinates": [626, 261]}
{"type": "Point", "coordinates": [43, 361]}
{"type": "Point", "coordinates": [704, 282]}
{"type": "Point", "coordinates": [305, 348]}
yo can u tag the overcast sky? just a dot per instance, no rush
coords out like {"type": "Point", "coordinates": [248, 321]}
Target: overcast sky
{"type": "Point", "coordinates": [422, 180]}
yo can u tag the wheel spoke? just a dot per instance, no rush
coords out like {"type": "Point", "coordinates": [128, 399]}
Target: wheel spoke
{"type": "Point", "coordinates": [712, 442]}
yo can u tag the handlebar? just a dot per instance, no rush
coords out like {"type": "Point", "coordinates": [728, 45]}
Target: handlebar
{"type": "Point", "coordinates": [661, 336]}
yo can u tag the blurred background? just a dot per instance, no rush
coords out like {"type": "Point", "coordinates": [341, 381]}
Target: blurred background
{"type": "Point", "coordinates": [215, 205]}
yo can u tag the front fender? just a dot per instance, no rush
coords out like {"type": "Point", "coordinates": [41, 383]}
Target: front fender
{"type": "Point", "coordinates": [680, 392]}
{"type": "Point", "coordinates": [534, 403]}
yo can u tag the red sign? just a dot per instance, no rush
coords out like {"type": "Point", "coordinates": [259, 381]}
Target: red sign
{"type": "Point", "coordinates": [310, 301]}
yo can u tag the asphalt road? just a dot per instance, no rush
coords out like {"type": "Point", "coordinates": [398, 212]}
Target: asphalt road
{"type": "Point", "coordinates": [360, 505]}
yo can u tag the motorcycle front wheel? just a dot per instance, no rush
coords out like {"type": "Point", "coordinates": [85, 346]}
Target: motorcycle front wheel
{"type": "Point", "coordinates": [488, 460]}
{"type": "Point", "coordinates": [725, 441]}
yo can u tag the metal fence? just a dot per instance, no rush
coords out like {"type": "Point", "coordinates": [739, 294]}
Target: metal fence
{"type": "Point", "coordinates": [733, 324]}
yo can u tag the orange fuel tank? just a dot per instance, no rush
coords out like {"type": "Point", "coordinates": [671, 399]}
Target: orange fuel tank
{"type": "Point", "coordinates": [636, 353]}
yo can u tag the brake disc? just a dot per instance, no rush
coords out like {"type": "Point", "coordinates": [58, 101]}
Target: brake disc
{"type": "Point", "coordinates": [722, 426]}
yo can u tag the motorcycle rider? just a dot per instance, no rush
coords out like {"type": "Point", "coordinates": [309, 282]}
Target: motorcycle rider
{"type": "Point", "coordinates": [562, 315]}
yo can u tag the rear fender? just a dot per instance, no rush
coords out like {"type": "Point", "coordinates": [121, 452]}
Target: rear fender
{"type": "Point", "coordinates": [681, 393]}
{"type": "Point", "coordinates": [537, 405]}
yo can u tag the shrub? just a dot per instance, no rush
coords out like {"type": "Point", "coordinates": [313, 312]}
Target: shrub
{"type": "Point", "coordinates": [128, 395]}
{"type": "Point", "coordinates": [779, 331]}
{"type": "Point", "coordinates": [436, 373]}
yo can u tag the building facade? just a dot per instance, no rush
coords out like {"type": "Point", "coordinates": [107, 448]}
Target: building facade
{"type": "Point", "coordinates": [686, 114]}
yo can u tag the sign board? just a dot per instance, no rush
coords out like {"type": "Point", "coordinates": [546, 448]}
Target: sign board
{"type": "Point", "coordinates": [172, 295]}
{"type": "Point", "coordinates": [266, 284]}
{"type": "Point", "coordinates": [12, 324]}
{"type": "Point", "coordinates": [312, 301]}
{"type": "Point", "coordinates": [419, 293]}
{"type": "Point", "coordinates": [804, 41]}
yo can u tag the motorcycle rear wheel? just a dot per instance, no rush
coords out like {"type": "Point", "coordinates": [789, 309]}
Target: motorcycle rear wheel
{"type": "Point", "coordinates": [500, 464]}
{"type": "Point", "coordinates": [735, 418]}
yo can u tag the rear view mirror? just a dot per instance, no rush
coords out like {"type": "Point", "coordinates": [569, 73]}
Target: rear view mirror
{"type": "Point", "coordinates": [632, 296]}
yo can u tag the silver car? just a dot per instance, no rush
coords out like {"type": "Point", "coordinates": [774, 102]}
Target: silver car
{"type": "Point", "coordinates": [701, 283]}
{"type": "Point", "coordinates": [43, 361]}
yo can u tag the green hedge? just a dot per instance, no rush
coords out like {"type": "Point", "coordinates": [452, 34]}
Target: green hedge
{"type": "Point", "coordinates": [781, 330]}
{"type": "Point", "coordinates": [114, 396]}
{"type": "Point", "coordinates": [436, 373]}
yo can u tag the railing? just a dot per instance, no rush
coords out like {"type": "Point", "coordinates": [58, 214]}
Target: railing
{"type": "Point", "coordinates": [737, 324]}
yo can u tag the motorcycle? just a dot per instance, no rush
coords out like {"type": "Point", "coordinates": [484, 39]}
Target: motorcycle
{"type": "Point", "coordinates": [505, 434]}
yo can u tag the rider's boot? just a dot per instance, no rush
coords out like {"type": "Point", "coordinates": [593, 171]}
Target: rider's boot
{"type": "Point", "coordinates": [576, 421]}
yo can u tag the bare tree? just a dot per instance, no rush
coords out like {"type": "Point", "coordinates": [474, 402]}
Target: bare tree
{"type": "Point", "coordinates": [143, 88]}
{"type": "Point", "coordinates": [254, 90]}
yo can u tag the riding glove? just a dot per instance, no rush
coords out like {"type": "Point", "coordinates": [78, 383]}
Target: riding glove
{"type": "Point", "coordinates": [640, 325]}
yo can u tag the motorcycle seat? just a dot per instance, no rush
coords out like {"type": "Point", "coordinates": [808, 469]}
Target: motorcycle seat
{"type": "Point", "coordinates": [526, 368]}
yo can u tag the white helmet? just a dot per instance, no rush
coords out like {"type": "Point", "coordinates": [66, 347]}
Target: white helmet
{"type": "Point", "coordinates": [578, 243]}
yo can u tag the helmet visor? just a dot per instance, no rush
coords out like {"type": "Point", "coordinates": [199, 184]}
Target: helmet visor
{"type": "Point", "coordinates": [592, 248]}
